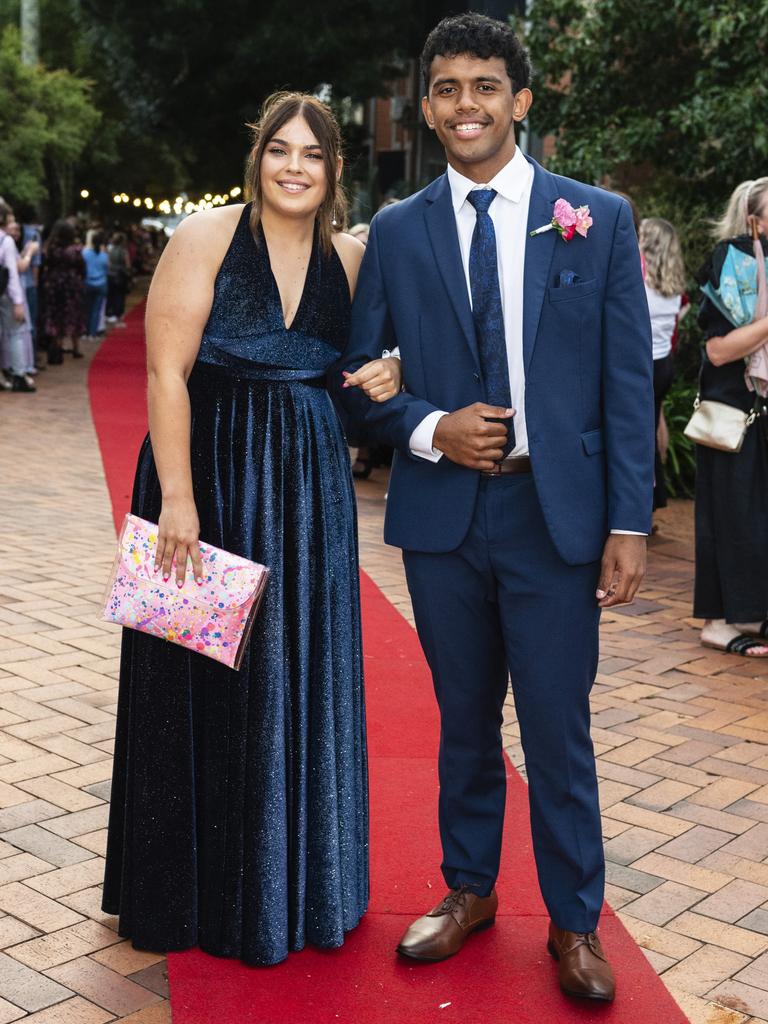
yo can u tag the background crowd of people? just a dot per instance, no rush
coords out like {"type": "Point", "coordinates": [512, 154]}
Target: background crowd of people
{"type": "Point", "coordinates": [61, 286]}
{"type": "Point", "coordinates": [731, 497]}
{"type": "Point", "coordinates": [67, 284]}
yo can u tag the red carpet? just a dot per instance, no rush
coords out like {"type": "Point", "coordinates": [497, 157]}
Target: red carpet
{"type": "Point", "coordinates": [504, 976]}
{"type": "Point", "coordinates": [117, 384]}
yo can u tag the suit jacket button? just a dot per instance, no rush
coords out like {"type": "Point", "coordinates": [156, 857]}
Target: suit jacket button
{"type": "Point", "coordinates": [476, 376]}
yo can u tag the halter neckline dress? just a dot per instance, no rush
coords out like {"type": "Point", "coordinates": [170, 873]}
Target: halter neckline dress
{"type": "Point", "coordinates": [239, 814]}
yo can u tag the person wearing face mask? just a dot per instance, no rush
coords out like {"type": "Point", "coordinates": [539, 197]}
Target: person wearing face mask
{"type": "Point", "coordinates": [239, 814]}
{"type": "Point", "coordinates": [731, 588]}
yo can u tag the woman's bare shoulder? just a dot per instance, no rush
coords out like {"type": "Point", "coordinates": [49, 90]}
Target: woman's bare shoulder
{"type": "Point", "coordinates": [348, 247]}
{"type": "Point", "coordinates": [350, 251]}
{"type": "Point", "coordinates": [206, 235]}
{"type": "Point", "coordinates": [218, 222]}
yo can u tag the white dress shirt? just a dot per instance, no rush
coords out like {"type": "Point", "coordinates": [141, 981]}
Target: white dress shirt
{"type": "Point", "coordinates": [509, 213]}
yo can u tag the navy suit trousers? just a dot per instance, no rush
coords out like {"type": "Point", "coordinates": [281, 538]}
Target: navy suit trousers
{"type": "Point", "coordinates": [504, 604]}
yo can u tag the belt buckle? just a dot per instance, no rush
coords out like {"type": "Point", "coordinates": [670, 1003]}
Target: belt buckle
{"type": "Point", "coordinates": [496, 471]}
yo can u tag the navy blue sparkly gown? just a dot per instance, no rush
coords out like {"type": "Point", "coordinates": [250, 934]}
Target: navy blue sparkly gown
{"type": "Point", "coordinates": [239, 814]}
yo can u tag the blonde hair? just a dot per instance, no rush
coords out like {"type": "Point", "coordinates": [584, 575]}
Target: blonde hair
{"type": "Point", "coordinates": [747, 200]}
{"type": "Point", "coordinates": [660, 246]}
{"type": "Point", "coordinates": [278, 109]}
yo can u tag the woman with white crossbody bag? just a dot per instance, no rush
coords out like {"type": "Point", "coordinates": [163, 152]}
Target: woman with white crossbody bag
{"type": "Point", "coordinates": [729, 428]}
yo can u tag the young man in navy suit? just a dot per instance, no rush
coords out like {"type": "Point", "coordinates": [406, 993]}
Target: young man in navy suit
{"type": "Point", "coordinates": [521, 489]}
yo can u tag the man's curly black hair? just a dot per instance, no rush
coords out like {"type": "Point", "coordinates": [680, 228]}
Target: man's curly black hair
{"type": "Point", "coordinates": [481, 37]}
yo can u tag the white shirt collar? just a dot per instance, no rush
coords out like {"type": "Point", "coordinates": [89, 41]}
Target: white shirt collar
{"type": "Point", "coordinates": [510, 182]}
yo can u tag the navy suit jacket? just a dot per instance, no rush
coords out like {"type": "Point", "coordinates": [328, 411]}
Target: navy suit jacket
{"type": "Point", "coordinates": [588, 367]}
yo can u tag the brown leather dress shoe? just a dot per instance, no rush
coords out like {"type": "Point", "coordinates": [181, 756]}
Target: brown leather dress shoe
{"type": "Point", "coordinates": [443, 931]}
{"type": "Point", "coordinates": [584, 970]}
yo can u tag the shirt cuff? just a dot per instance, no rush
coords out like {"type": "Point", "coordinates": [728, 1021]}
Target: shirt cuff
{"type": "Point", "coordinates": [391, 353]}
{"type": "Point", "coordinates": [420, 443]}
{"type": "Point", "coordinates": [629, 533]}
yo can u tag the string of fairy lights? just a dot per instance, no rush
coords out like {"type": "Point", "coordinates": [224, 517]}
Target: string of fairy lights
{"type": "Point", "coordinates": [179, 205]}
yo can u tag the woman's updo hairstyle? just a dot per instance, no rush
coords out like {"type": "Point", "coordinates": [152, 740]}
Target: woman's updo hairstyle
{"type": "Point", "coordinates": [280, 108]}
{"type": "Point", "coordinates": [748, 199]}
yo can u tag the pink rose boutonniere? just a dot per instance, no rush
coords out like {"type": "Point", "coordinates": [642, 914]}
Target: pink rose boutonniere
{"type": "Point", "coordinates": [567, 221]}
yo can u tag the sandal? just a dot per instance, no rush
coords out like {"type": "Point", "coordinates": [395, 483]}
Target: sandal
{"type": "Point", "coordinates": [741, 644]}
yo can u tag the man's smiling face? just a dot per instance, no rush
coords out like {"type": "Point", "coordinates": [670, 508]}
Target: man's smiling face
{"type": "Point", "coordinates": [472, 108]}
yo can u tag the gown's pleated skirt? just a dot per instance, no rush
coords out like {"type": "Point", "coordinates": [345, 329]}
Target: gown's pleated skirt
{"type": "Point", "coordinates": [239, 814]}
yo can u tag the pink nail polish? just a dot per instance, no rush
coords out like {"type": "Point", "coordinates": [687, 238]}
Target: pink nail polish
{"type": "Point", "coordinates": [166, 578]}
{"type": "Point", "coordinates": [199, 581]}
{"type": "Point", "coordinates": [179, 584]}
{"type": "Point", "coordinates": [600, 594]}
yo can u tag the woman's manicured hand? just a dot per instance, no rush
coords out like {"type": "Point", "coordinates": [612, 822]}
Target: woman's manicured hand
{"type": "Point", "coordinates": [177, 541]}
{"type": "Point", "coordinates": [380, 379]}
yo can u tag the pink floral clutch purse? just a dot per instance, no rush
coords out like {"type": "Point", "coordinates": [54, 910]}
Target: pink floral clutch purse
{"type": "Point", "coordinates": [214, 619]}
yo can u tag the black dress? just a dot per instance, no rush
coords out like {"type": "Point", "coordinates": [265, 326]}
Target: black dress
{"type": "Point", "coordinates": [239, 817]}
{"type": "Point", "coordinates": [731, 497]}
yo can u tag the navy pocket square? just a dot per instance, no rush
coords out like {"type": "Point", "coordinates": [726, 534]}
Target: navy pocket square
{"type": "Point", "coordinates": [566, 278]}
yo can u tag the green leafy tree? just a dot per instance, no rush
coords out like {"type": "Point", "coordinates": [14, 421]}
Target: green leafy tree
{"type": "Point", "coordinates": [193, 73]}
{"type": "Point", "coordinates": [666, 100]}
{"type": "Point", "coordinates": [46, 117]}
{"type": "Point", "coordinates": [668, 96]}
{"type": "Point", "coordinates": [23, 128]}
{"type": "Point", "coordinates": [71, 124]}
{"type": "Point", "coordinates": [177, 81]}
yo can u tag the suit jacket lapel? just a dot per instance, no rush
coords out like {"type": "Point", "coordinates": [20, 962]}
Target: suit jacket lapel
{"type": "Point", "coordinates": [538, 256]}
{"type": "Point", "coordinates": [441, 227]}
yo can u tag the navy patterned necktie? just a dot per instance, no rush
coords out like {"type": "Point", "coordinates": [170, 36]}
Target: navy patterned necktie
{"type": "Point", "coordinates": [486, 308]}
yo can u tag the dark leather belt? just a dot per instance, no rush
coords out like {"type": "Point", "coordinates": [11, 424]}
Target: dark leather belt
{"type": "Point", "coordinates": [519, 464]}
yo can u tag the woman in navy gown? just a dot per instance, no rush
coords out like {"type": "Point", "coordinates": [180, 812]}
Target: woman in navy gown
{"type": "Point", "coordinates": [239, 816]}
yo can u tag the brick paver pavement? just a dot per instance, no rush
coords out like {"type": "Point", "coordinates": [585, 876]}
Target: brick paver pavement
{"type": "Point", "coordinates": [61, 961]}
{"type": "Point", "coordinates": [681, 734]}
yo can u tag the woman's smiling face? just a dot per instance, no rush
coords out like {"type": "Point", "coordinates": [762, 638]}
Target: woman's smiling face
{"type": "Point", "coordinates": [293, 178]}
